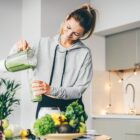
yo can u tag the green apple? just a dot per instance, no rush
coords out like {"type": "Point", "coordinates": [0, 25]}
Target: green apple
{"type": "Point", "coordinates": [5, 123]}
{"type": "Point", "coordinates": [73, 123]}
{"type": "Point", "coordinates": [8, 133]}
{"type": "Point", "coordinates": [82, 128]}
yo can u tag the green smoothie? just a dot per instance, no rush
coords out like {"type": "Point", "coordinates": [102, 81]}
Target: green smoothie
{"type": "Point", "coordinates": [20, 61]}
{"type": "Point", "coordinates": [36, 98]}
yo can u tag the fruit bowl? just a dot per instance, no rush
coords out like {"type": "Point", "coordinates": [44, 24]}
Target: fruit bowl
{"type": "Point", "coordinates": [65, 136]}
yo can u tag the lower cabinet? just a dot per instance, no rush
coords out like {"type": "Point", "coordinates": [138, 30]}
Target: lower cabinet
{"type": "Point", "coordinates": [132, 136]}
{"type": "Point", "coordinates": [118, 129]}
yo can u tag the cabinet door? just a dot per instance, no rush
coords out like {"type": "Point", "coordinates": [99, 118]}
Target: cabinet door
{"type": "Point", "coordinates": [132, 137]}
{"type": "Point", "coordinates": [138, 46]}
{"type": "Point", "coordinates": [121, 50]}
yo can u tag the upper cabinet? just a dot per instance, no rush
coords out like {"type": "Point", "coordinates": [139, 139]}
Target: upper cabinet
{"type": "Point", "coordinates": [123, 50]}
{"type": "Point", "coordinates": [138, 46]}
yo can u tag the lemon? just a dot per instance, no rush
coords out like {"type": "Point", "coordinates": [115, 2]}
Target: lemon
{"type": "Point", "coordinates": [24, 133]}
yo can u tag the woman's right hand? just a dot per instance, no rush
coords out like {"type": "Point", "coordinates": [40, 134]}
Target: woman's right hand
{"type": "Point", "coordinates": [22, 45]}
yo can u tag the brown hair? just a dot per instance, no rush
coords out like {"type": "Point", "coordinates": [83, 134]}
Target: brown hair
{"type": "Point", "coordinates": [86, 16]}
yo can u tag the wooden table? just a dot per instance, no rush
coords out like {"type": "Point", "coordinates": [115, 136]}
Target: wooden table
{"type": "Point", "coordinates": [103, 137]}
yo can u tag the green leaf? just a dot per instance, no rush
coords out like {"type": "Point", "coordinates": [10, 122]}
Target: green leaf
{"type": "Point", "coordinates": [7, 97]}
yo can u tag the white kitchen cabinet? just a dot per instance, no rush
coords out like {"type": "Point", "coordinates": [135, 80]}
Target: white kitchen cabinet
{"type": "Point", "coordinates": [123, 50]}
{"type": "Point", "coordinates": [138, 47]}
{"type": "Point", "coordinates": [132, 137]}
{"type": "Point", "coordinates": [118, 128]}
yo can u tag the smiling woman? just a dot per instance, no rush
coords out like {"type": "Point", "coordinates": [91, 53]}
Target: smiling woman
{"type": "Point", "coordinates": [60, 54]}
{"type": "Point", "coordinates": [71, 31]}
{"type": "Point", "coordinates": [67, 87]}
{"type": "Point", "coordinates": [61, 74]}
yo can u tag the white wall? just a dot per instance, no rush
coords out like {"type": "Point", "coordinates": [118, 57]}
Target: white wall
{"type": "Point", "coordinates": [97, 46]}
{"type": "Point", "coordinates": [31, 19]}
{"type": "Point", "coordinates": [10, 24]}
{"type": "Point", "coordinates": [116, 15]}
{"type": "Point", "coordinates": [10, 32]}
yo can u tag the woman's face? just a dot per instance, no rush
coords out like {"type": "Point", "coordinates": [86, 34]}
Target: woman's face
{"type": "Point", "coordinates": [71, 30]}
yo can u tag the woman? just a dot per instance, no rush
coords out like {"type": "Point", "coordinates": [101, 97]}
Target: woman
{"type": "Point", "coordinates": [65, 61]}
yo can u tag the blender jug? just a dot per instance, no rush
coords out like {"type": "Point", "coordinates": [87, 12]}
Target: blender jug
{"type": "Point", "coordinates": [21, 61]}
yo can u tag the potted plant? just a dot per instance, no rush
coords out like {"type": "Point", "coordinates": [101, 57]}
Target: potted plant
{"type": "Point", "coordinates": [8, 89]}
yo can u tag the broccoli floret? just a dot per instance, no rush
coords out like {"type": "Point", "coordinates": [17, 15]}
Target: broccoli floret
{"type": "Point", "coordinates": [44, 125]}
{"type": "Point", "coordinates": [75, 114]}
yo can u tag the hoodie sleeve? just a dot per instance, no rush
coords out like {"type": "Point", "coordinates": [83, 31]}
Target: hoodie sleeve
{"type": "Point", "coordinates": [83, 80]}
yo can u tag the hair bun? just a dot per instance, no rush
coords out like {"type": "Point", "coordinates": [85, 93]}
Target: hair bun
{"type": "Point", "coordinates": [86, 6]}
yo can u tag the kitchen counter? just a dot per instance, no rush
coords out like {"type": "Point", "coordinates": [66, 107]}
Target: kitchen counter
{"type": "Point", "coordinates": [101, 137]}
{"type": "Point", "coordinates": [116, 116]}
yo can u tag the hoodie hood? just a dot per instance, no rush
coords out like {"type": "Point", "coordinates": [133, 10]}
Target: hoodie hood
{"type": "Point", "coordinates": [77, 45]}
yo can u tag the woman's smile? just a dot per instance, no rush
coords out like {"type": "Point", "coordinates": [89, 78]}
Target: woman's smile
{"type": "Point", "coordinates": [71, 31]}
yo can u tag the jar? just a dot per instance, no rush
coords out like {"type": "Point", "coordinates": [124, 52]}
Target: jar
{"type": "Point", "coordinates": [21, 60]}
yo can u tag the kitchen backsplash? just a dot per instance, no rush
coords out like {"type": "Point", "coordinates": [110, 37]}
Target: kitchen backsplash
{"type": "Point", "coordinates": [110, 88]}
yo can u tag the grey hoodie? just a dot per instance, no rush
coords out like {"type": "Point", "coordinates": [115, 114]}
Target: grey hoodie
{"type": "Point", "coordinates": [72, 69]}
{"type": "Point", "coordinates": [67, 70]}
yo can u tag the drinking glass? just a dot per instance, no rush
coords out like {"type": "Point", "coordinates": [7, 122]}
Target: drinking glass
{"type": "Point", "coordinates": [33, 76]}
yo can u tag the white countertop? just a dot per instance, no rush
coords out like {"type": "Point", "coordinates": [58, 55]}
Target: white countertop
{"type": "Point", "coordinates": [116, 116]}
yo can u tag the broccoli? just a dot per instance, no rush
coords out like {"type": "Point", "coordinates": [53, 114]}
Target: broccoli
{"type": "Point", "coordinates": [44, 125]}
{"type": "Point", "coordinates": [75, 114]}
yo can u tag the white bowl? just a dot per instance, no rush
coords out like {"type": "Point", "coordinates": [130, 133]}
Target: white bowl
{"type": "Point", "coordinates": [48, 110]}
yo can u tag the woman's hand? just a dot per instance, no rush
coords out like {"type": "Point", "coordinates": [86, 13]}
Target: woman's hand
{"type": "Point", "coordinates": [22, 45]}
{"type": "Point", "coordinates": [40, 87]}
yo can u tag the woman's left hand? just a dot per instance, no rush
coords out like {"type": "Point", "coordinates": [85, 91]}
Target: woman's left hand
{"type": "Point", "coordinates": [40, 87]}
